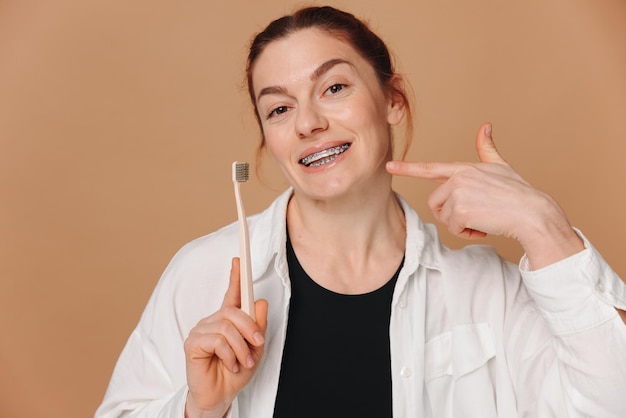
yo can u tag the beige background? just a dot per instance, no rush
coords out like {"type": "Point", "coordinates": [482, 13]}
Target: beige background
{"type": "Point", "coordinates": [119, 121]}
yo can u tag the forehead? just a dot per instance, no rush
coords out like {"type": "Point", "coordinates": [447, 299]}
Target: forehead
{"type": "Point", "coordinates": [295, 57]}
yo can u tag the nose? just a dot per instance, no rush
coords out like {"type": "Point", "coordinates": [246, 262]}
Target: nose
{"type": "Point", "coordinates": [309, 120]}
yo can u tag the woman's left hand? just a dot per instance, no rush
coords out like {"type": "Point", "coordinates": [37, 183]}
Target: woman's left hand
{"type": "Point", "coordinates": [489, 197]}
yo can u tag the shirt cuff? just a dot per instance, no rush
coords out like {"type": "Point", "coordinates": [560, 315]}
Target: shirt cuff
{"type": "Point", "coordinates": [231, 413]}
{"type": "Point", "coordinates": [577, 293]}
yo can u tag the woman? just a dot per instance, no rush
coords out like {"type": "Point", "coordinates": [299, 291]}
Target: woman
{"type": "Point", "coordinates": [362, 312]}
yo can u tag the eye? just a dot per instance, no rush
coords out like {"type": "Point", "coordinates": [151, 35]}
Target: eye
{"type": "Point", "coordinates": [277, 111]}
{"type": "Point", "coordinates": [335, 88]}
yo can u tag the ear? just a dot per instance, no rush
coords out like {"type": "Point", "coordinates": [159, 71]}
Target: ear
{"type": "Point", "coordinates": [396, 100]}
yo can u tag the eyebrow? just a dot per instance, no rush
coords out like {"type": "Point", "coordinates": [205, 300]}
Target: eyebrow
{"type": "Point", "coordinates": [319, 71]}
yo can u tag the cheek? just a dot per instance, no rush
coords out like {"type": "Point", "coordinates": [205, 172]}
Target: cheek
{"type": "Point", "coordinates": [357, 118]}
{"type": "Point", "coordinates": [372, 121]}
{"type": "Point", "coordinates": [367, 110]}
{"type": "Point", "coordinates": [276, 146]}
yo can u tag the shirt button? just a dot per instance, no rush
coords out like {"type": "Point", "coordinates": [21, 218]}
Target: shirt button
{"type": "Point", "coordinates": [402, 303]}
{"type": "Point", "coordinates": [600, 287]}
{"type": "Point", "coordinates": [405, 372]}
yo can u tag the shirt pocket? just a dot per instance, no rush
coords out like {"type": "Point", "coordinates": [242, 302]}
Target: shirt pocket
{"type": "Point", "coordinates": [457, 372]}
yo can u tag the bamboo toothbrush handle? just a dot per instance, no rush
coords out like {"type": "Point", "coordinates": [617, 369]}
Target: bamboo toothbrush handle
{"type": "Point", "coordinates": [245, 270]}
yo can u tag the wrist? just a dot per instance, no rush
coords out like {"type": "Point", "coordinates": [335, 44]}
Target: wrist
{"type": "Point", "coordinates": [548, 237]}
{"type": "Point", "coordinates": [192, 410]}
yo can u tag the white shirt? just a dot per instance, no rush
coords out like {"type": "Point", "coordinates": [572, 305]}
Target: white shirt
{"type": "Point", "coordinates": [471, 335]}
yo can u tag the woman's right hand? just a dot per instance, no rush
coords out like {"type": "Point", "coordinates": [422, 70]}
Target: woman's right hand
{"type": "Point", "coordinates": [223, 352]}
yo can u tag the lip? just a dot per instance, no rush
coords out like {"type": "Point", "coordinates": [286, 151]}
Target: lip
{"type": "Point", "coordinates": [321, 147]}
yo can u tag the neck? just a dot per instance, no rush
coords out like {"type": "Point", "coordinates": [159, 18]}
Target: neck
{"type": "Point", "coordinates": [355, 219]}
{"type": "Point", "coordinates": [360, 237]}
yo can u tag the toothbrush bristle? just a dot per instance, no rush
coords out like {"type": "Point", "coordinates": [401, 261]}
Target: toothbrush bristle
{"type": "Point", "coordinates": [241, 171]}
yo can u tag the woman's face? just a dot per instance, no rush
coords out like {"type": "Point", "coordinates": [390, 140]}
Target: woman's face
{"type": "Point", "coordinates": [325, 117]}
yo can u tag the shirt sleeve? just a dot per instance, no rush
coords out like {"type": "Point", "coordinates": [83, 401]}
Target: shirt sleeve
{"type": "Point", "coordinates": [141, 384]}
{"type": "Point", "coordinates": [578, 297]}
{"type": "Point", "coordinates": [577, 293]}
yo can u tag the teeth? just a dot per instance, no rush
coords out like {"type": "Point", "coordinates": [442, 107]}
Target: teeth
{"type": "Point", "coordinates": [323, 157]}
{"type": "Point", "coordinates": [324, 161]}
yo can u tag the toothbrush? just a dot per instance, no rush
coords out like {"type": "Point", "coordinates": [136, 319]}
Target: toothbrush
{"type": "Point", "coordinates": [241, 173]}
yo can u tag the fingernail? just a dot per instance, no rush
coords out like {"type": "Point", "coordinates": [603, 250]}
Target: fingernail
{"type": "Point", "coordinates": [488, 130]}
{"type": "Point", "coordinates": [250, 362]}
{"type": "Point", "coordinates": [236, 368]}
{"type": "Point", "coordinates": [258, 338]}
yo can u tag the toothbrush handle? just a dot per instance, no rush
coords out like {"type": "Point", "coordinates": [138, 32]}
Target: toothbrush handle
{"type": "Point", "coordinates": [245, 272]}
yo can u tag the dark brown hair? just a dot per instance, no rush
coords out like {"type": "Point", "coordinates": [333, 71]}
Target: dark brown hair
{"type": "Point", "coordinates": [349, 29]}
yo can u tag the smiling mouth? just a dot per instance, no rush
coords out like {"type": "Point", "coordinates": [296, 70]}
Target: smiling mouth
{"type": "Point", "coordinates": [323, 157]}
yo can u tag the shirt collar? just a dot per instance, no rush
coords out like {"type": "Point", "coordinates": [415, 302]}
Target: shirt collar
{"type": "Point", "coordinates": [422, 242]}
{"type": "Point", "coordinates": [268, 235]}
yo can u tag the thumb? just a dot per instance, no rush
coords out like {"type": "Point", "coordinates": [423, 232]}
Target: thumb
{"type": "Point", "coordinates": [232, 297]}
{"type": "Point", "coordinates": [485, 146]}
{"type": "Point", "coordinates": [260, 310]}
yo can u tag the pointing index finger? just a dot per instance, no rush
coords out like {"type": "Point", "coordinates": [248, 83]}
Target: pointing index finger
{"type": "Point", "coordinates": [435, 171]}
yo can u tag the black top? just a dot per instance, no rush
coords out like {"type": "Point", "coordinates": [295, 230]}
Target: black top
{"type": "Point", "coordinates": [336, 360]}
